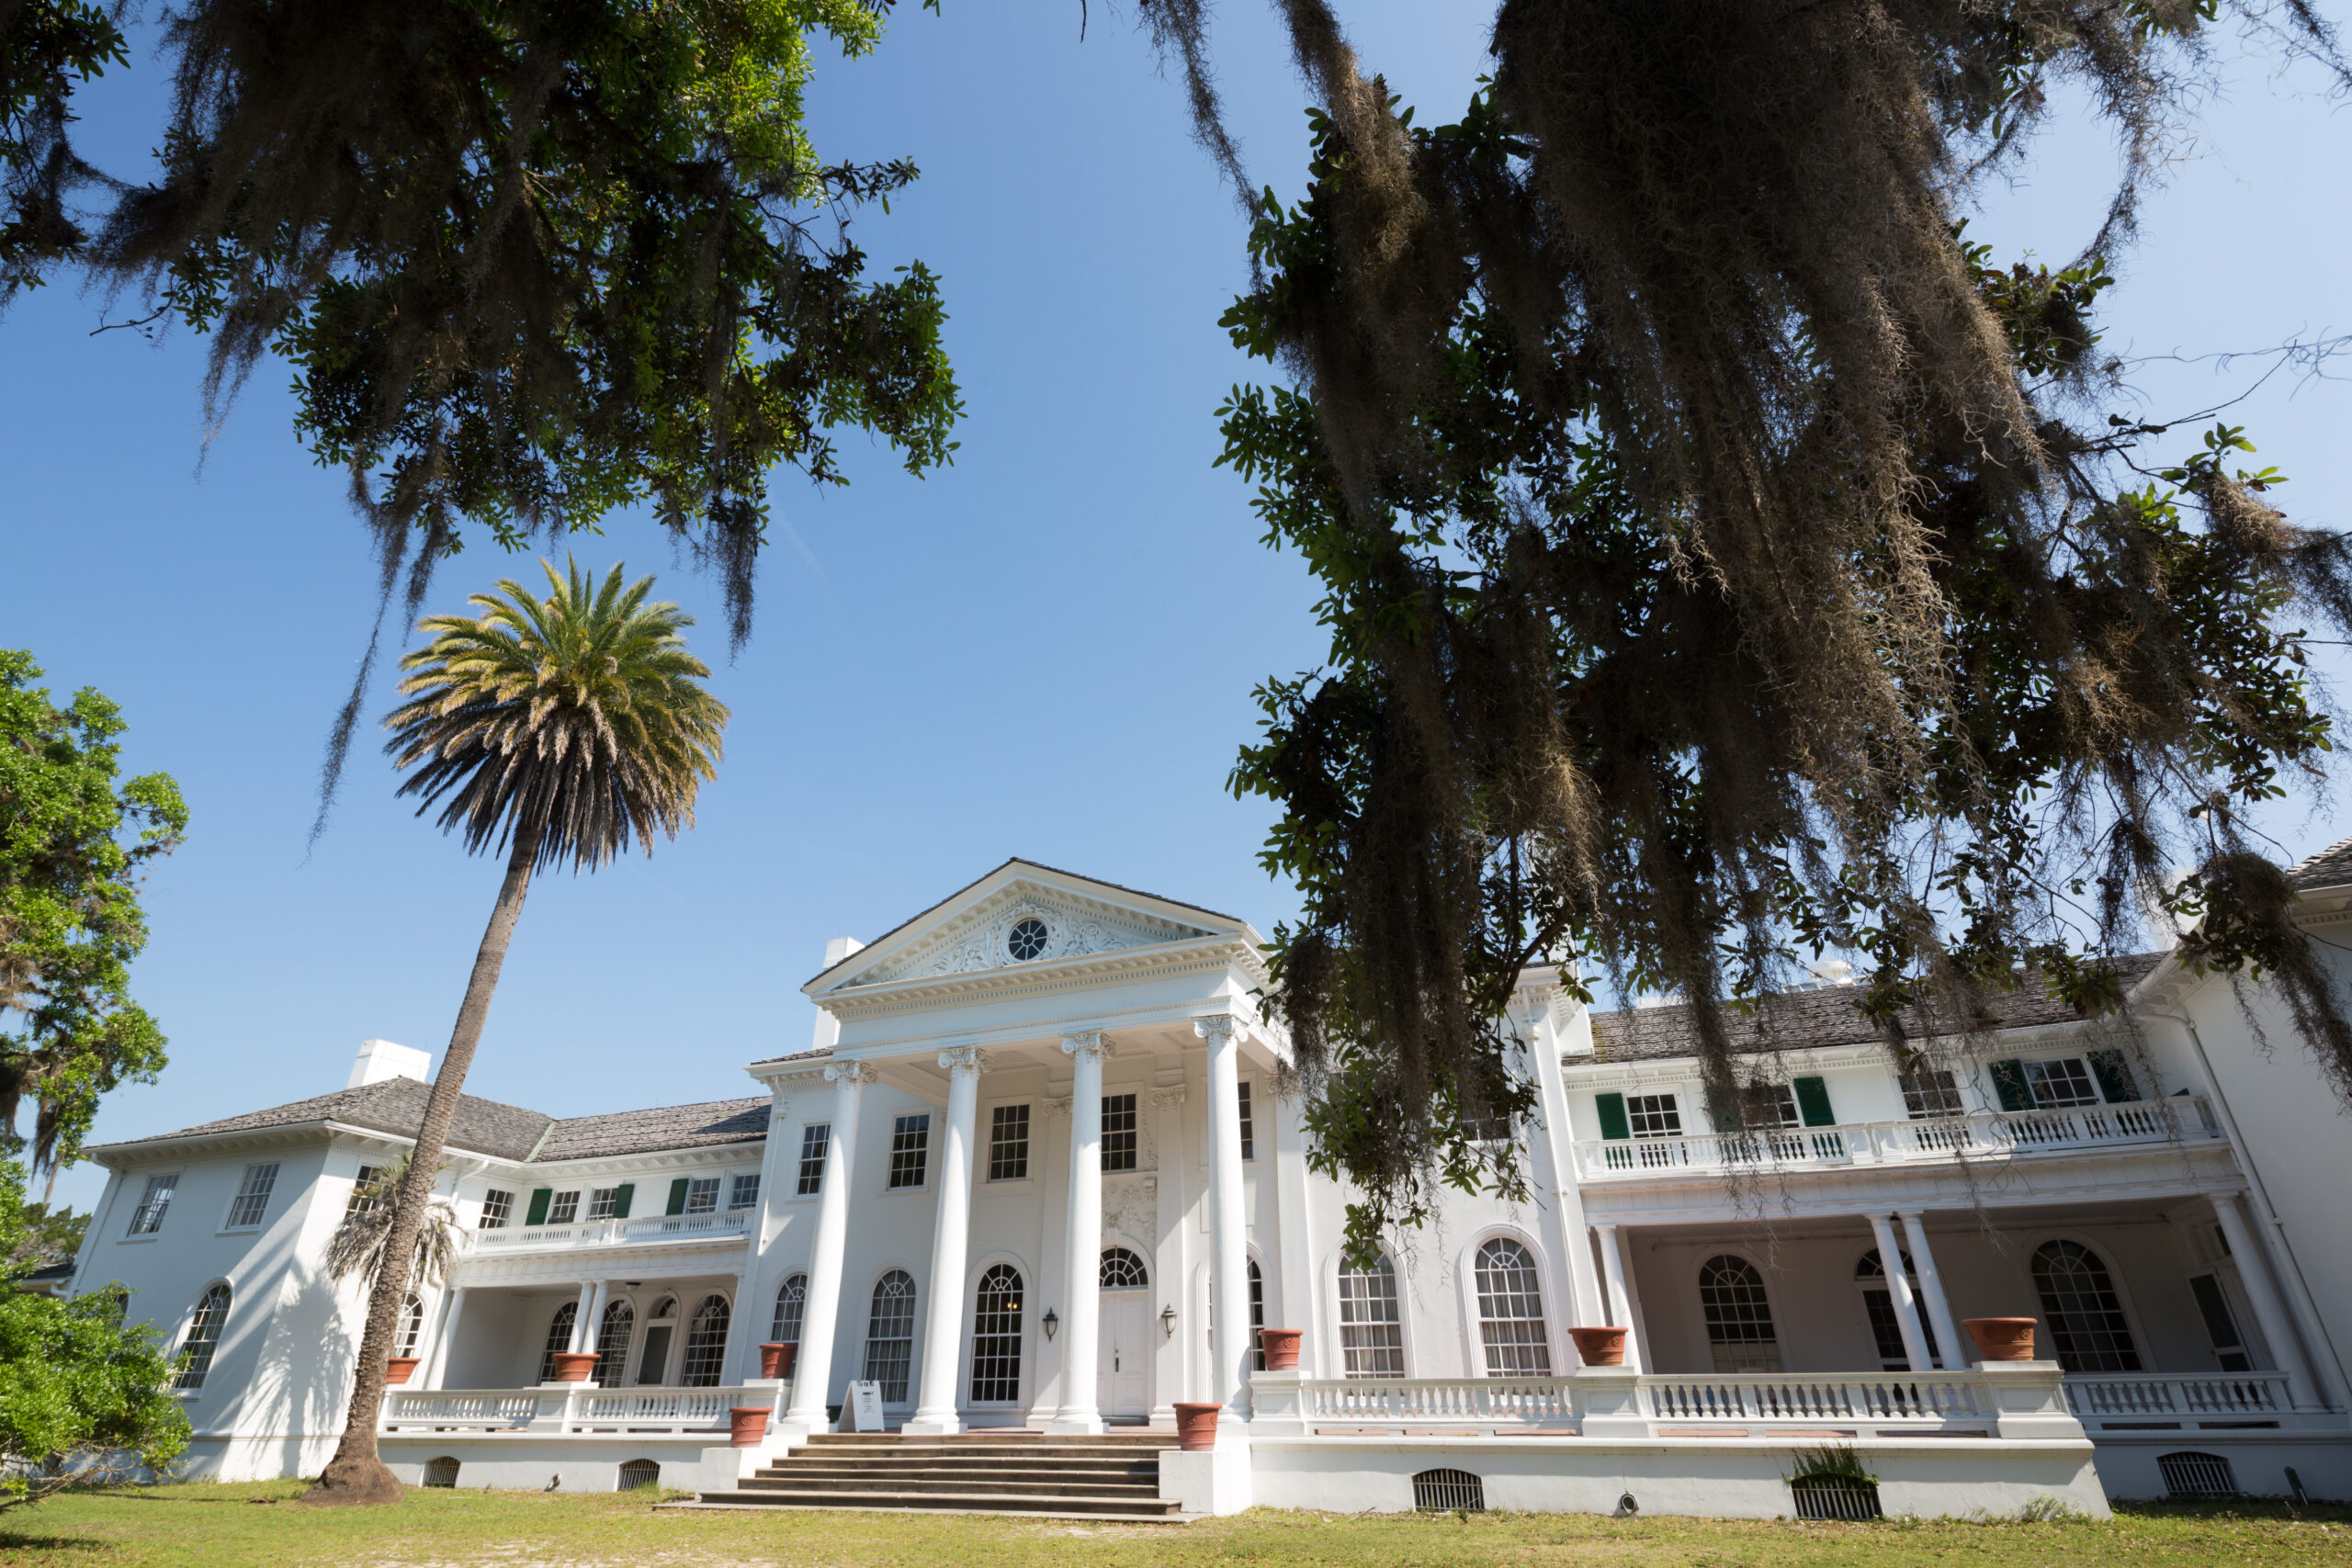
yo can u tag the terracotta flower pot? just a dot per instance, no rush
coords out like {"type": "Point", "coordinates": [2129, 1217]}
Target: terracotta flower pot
{"type": "Point", "coordinates": [399, 1368]}
{"type": "Point", "coordinates": [574, 1366]}
{"type": "Point", "coordinates": [747, 1425]}
{"type": "Point", "coordinates": [2001, 1339]}
{"type": "Point", "coordinates": [1600, 1346]}
{"type": "Point", "coordinates": [1280, 1346]}
{"type": "Point", "coordinates": [1197, 1427]}
{"type": "Point", "coordinates": [777, 1358]}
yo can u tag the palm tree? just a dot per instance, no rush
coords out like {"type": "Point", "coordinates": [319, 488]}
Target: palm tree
{"type": "Point", "coordinates": [555, 729]}
{"type": "Point", "coordinates": [360, 1242]}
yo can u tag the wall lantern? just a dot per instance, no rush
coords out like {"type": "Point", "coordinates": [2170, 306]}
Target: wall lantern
{"type": "Point", "coordinates": [1049, 1322]}
{"type": "Point", "coordinates": [1167, 1321]}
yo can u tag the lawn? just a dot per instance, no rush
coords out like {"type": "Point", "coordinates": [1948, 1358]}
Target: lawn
{"type": "Point", "coordinates": [258, 1525]}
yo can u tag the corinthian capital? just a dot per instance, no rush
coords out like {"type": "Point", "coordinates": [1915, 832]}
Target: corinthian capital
{"type": "Point", "coordinates": [963, 1059]}
{"type": "Point", "coordinates": [860, 1073]}
{"type": "Point", "coordinates": [1086, 1043]}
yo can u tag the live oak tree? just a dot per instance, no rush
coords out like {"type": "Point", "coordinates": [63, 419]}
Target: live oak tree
{"type": "Point", "coordinates": [554, 730]}
{"type": "Point", "coordinates": [1727, 562]}
{"type": "Point", "coordinates": [531, 261]}
{"type": "Point", "coordinates": [75, 840]}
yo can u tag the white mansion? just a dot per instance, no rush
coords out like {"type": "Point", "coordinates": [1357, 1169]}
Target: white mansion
{"type": "Point", "coordinates": [1035, 1173]}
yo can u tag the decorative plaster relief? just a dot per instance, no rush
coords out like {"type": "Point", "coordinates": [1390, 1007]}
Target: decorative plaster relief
{"type": "Point", "coordinates": [982, 939]}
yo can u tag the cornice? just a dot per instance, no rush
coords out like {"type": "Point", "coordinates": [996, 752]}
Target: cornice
{"type": "Point", "coordinates": [145, 1151]}
{"type": "Point", "coordinates": [1190, 955]}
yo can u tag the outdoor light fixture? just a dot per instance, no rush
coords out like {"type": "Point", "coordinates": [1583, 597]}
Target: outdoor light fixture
{"type": "Point", "coordinates": [1167, 1321]}
{"type": "Point", "coordinates": [1049, 1322]}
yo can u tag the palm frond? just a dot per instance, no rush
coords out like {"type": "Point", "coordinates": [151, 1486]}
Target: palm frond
{"type": "Point", "coordinates": [358, 1242]}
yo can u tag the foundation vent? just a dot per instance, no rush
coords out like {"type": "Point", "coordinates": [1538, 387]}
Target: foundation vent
{"type": "Point", "coordinates": [1449, 1491]}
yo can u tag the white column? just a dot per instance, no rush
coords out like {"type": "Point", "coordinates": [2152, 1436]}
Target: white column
{"type": "Point", "coordinates": [1082, 1249]}
{"type": "Point", "coordinates": [1898, 1291]}
{"type": "Point", "coordinates": [1948, 1338]}
{"type": "Point", "coordinates": [582, 1318]}
{"type": "Point", "coordinates": [2254, 1273]}
{"type": "Point", "coordinates": [813, 1378]}
{"type": "Point", "coordinates": [1619, 1303]}
{"type": "Point", "coordinates": [452, 1315]}
{"type": "Point", "coordinates": [951, 1229]}
{"type": "Point", "coordinates": [1228, 1224]}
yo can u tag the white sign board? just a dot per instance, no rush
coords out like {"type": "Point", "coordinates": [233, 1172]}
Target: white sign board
{"type": "Point", "coordinates": [866, 1403]}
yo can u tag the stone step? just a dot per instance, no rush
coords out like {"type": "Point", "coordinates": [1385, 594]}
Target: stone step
{"type": "Point", "coordinates": [1026, 1486]}
{"type": "Point", "coordinates": [1142, 1437]}
{"type": "Point", "coordinates": [1110, 1464]}
{"type": "Point", "coordinates": [977, 1502]}
{"type": "Point", "coordinates": [997, 1453]}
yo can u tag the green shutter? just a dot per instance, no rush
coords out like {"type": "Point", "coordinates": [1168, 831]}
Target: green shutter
{"type": "Point", "coordinates": [2009, 1085]}
{"type": "Point", "coordinates": [1813, 1102]}
{"type": "Point", "coordinates": [677, 1197]}
{"type": "Point", "coordinates": [538, 1212]}
{"type": "Point", "coordinates": [1612, 1116]}
{"type": "Point", "coordinates": [2114, 1076]}
{"type": "Point", "coordinates": [621, 1195]}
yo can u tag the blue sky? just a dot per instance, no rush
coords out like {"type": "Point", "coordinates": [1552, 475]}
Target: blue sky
{"type": "Point", "coordinates": [1045, 650]}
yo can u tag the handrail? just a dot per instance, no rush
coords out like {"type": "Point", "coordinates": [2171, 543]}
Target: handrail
{"type": "Point", "coordinates": [1979, 1136]}
{"type": "Point", "coordinates": [572, 1408]}
{"type": "Point", "coordinates": [2172, 1394]}
{"type": "Point", "coordinates": [1757, 1396]}
{"type": "Point", "coordinates": [715, 1227]}
{"type": "Point", "coordinates": [1439, 1400]}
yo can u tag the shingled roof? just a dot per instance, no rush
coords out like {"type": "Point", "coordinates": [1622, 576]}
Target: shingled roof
{"type": "Point", "coordinates": [1802, 1020]}
{"type": "Point", "coordinates": [2332, 867]}
{"type": "Point", "coordinates": [508, 1132]}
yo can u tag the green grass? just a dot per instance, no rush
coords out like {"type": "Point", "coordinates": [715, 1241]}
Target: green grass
{"type": "Point", "coordinates": [259, 1525]}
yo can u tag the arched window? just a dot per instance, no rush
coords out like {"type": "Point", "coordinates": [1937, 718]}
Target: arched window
{"type": "Point", "coordinates": [411, 1328]}
{"type": "Point", "coordinates": [791, 1303]}
{"type": "Point", "coordinates": [203, 1337]}
{"type": "Point", "coordinates": [612, 1336]}
{"type": "Point", "coordinates": [558, 1338]}
{"type": "Point", "coordinates": [996, 1338]}
{"type": "Point", "coordinates": [1371, 1335]}
{"type": "Point", "coordinates": [660, 1328]}
{"type": "Point", "coordinates": [1511, 1312]}
{"type": "Point", "coordinates": [705, 1344]}
{"type": "Point", "coordinates": [890, 1334]}
{"type": "Point", "coordinates": [1878, 1303]}
{"type": "Point", "coordinates": [2085, 1315]}
{"type": "Point", "coordinates": [1256, 1317]}
{"type": "Point", "coordinates": [1123, 1270]}
{"type": "Point", "coordinates": [1739, 1318]}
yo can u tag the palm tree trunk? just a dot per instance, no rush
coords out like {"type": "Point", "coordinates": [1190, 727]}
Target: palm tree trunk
{"type": "Point", "coordinates": [355, 1474]}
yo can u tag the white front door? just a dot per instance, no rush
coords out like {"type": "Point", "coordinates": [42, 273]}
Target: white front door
{"type": "Point", "coordinates": [1123, 1383]}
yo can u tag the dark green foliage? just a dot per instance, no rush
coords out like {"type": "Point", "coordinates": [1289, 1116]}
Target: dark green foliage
{"type": "Point", "coordinates": [74, 842]}
{"type": "Point", "coordinates": [46, 47]}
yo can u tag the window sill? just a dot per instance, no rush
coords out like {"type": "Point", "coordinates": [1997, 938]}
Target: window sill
{"type": "Point", "coordinates": [1005, 1181]}
{"type": "Point", "coordinates": [239, 1230]}
{"type": "Point", "coordinates": [918, 1187]}
{"type": "Point", "coordinates": [151, 1235]}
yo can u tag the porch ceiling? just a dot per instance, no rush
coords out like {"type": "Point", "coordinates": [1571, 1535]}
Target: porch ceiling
{"type": "Point", "coordinates": [2000, 1215]}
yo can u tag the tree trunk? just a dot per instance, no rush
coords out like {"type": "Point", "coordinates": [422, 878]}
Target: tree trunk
{"type": "Point", "coordinates": [355, 1474]}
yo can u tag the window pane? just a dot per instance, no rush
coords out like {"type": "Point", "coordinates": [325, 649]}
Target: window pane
{"type": "Point", "coordinates": [1248, 1127]}
{"type": "Point", "coordinates": [1009, 1143]}
{"type": "Point", "coordinates": [1739, 1318]}
{"type": "Point", "coordinates": [996, 1338]}
{"type": "Point", "coordinates": [910, 1149]}
{"type": "Point", "coordinates": [558, 1338]}
{"type": "Point", "coordinates": [253, 1196]}
{"type": "Point", "coordinates": [706, 1343]}
{"type": "Point", "coordinates": [1511, 1312]}
{"type": "Point", "coordinates": [702, 1195]}
{"type": "Point", "coordinates": [362, 1198]}
{"type": "Point", "coordinates": [1122, 1270]}
{"type": "Point", "coordinates": [2086, 1314]}
{"type": "Point", "coordinates": [791, 1303]}
{"type": "Point", "coordinates": [2060, 1084]}
{"type": "Point", "coordinates": [890, 1334]}
{"type": "Point", "coordinates": [1118, 1131]}
{"type": "Point", "coordinates": [1257, 1317]}
{"type": "Point", "coordinates": [203, 1337]}
{"type": "Point", "coordinates": [1653, 1116]}
{"type": "Point", "coordinates": [412, 1327]}
{"type": "Point", "coordinates": [1372, 1337]}
{"type": "Point", "coordinates": [612, 1343]}
{"type": "Point", "coordinates": [148, 1218]}
{"type": "Point", "coordinates": [564, 1208]}
{"type": "Point", "coordinates": [813, 1139]}
{"type": "Point", "coordinates": [745, 1192]}
{"type": "Point", "coordinates": [495, 1207]}
{"type": "Point", "coordinates": [601, 1202]}
{"type": "Point", "coordinates": [1930, 1091]}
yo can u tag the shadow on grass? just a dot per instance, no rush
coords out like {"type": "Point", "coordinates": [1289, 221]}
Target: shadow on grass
{"type": "Point", "coordinates": [2219, 1509]}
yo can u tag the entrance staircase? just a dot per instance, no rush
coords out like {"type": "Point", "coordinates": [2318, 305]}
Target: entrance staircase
{"type": "Point", "coordinates": [1115, 1477]}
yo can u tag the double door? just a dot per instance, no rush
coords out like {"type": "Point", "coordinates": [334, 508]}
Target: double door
{"type": "Point", "coordinates": [1123, 1378]}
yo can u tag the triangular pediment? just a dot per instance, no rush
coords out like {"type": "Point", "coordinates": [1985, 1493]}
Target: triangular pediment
{"type": "Point", "coordinates": [1024, 916]}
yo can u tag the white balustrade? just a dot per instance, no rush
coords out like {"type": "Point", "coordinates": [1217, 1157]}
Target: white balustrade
{"type": "Point", "coordinates": [1418, 1401]}
{"type": "Point", "coordinates": [1989, 1135]}
{"type": "Point", "coordinates": [576, 1409]}
{"type": "Point", "coordinates": [1410, 1406]}
{"type": "Point", "coordinates": [485, 1409]}
{"type": "Point", "coordinates": [2158, 1394]}
{"type": "Point", "coordinates": [733, 1226]}
{"type": "Point", "coordinates": [1886, 1399]}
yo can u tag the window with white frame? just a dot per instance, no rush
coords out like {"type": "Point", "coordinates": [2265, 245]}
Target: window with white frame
{"type": "Point", "coordinates": [564, 1208]}
{"type": "Point", "coordinates": [814, 1138]}
{"type": "Point", "coordinates": [1511, 1312]}
{"type": "Point", "coordinates": [996, 1336]}
{"type": "Point", "coordinates": [602, 1201]}
{"type": "Point", "coordinates": [412, 1327]}
{"type": "Point", "coordinates": [2061, 1085]}
{"type": "Point", "coordinates": [1770, 1105]}
{"type": "Point", "coordinates": [1009, 1143]}
{"type": "Point", "coordinates": [202, 1338]}
{"type": "Point", "coordinates": [1256, 1317]}
{"type": "Point", "coordinates": [558, 1340]}
{"type": "Point", "coordinates": [743, 1193]}
{"type": "Point", "coordinates": [1371, 1334]}
{"type": "Point", "coordinates": [1929, 1093]}
{"type": "Point", "coordinates": [1739, 1316]}
{"type": "Point", "coordinates": [148, 1218]}
{"type": "Point", "coordinates": [705, 1344]}
{"type": "Point", "coordinates": [791, 1306]}
{"type": "Point", "coordinates": [890, 1334]}
{"type": "Point", "coordinates": [495, 1207]}
{"type": "Point", "coordinates": [702, 1195]}
{"type": "Point", "coordinates": [1653, 1116]}
{"type": "Point", "coordinates": [364, 1196]}
{"type": "Point", "coordinates": [612, 1335]}
{"type": "Point", "coordinates": [910, 1149]}
{"type": "Point", "coordinates": [1118, 1131]}
{"type": "Point", "coordinates": [253, 1196]}
{"type": "Point", "coordinates": [2086, 1314]}
{"type": "Point", "coordinates": [1248, 1124]}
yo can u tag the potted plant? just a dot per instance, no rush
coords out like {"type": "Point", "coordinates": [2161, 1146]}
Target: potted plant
{"type": "Point", "coordinates": [399, 1368]}
{"type": "Point", "coordinates": [747, 1425]}
{"type": "Point", "coordinates": [777, 1358]}
{"type": "Point", "coordinates": [1196, 1426]}
{"type": "Point", "coordinates": [1600, 1346]}
{"type": "Point", "coordinates": [2001, 1339]}
{"type": "Point", "coordinates": [574, 1366]}
{"type": "Point", "coordinates": [1280, 1346]}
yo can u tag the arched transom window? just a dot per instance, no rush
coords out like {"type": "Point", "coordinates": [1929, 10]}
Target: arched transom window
{"type": "Point", "coordinates": [559, 1327]}
{"type": "Point", "coordinates": [1371, 1335]}
{"type": "Point", "coordinates": [412, 1327]}
{"type": "Point", "coordinates": [996, 1336]}
{"type": "Point", "coordinates": [791, 1305]}
{"type": "Point", "coordinates": [203, 1337]}
{"type": "Point", "coordinates": [1123, 1270]}
{"type": "Point", "coordinates": [612, 1335]}
{"type": "Point", "coordinates": [706, 1343]}
{"type": "Point", "coordinates": [1511, 1312]}
{"type": "Point", "coordinates": [1739, 1317]}
{"type": "Point", "coordinates": [2087, 1325]}
{"type": "Point", "coordinates": [890, 1334]}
